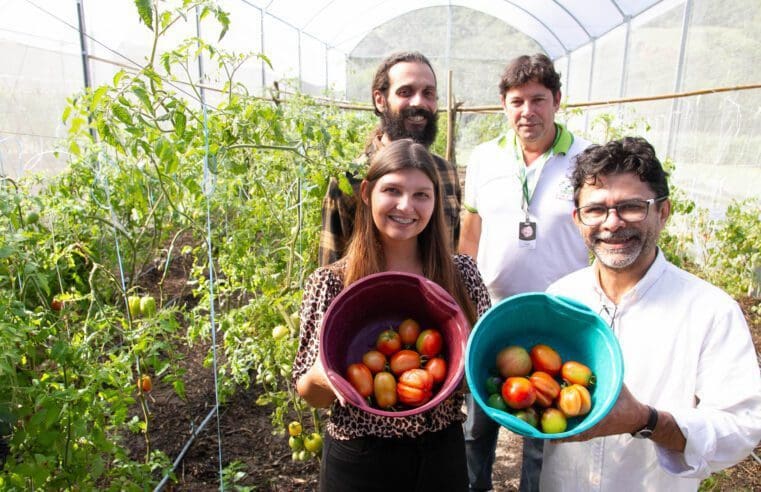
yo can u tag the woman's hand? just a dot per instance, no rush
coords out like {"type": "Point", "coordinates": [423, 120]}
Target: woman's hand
{"type": "Point", "coordinates": [315, 387]}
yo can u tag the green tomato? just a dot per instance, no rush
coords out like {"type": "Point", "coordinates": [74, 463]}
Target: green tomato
{"type": "Point", "coordinates": [496, 401]}
{"type": "Point", "coordinates": [31, 218]}
{"type": "Point", "coordinates": [296, 443]}
{"type": "Point", "coordinates": [302, 455]}
{"type": "Point", "coordinates": [493, 385]}
{"type": "Point", "coordinates": [279, 332]}
{"type": "Point", "coordinates": [294, 428]}
{"type": "Point", "coordinates": [147, 306]}
{"type": "Point", "coordinates": [134, 306]}
{"type": "Point", "coordinates": [313, 442]}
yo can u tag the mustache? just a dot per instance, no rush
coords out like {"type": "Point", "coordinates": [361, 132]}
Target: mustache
{"type": "Point", "coordinates": [620, 235]}
{"type": "Point", "coordinates": [407, 112]}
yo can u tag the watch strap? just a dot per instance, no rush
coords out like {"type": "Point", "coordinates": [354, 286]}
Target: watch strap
{"type": "Point", "coordinates": [647, 430]}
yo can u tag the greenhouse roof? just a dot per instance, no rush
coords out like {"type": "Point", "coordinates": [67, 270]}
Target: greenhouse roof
{"type": "Point", "coordinates": [559, 26]}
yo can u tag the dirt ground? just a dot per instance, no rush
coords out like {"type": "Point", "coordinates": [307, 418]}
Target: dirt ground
{"type": "Point", "coordinates": [265, 459]}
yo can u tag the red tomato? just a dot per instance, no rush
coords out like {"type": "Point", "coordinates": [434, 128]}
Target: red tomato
{"type": "Point", "coordinates": [545, 359]}
{"type": "Point", "coordinates": [404, 360]}
{"type": "Point", "coordinates": [518, 392]}
{"type": "Point", "coordinates": [389, 342]}
{"type": "Point", "coordinates": [374, 360]}
{"type": "Point", "coordinates": [574, 400]}
{"type": "Point", "coordinates": [361, 378]}
{"type": "Point", "coordinates": [438, 369]}
{"type": "Point", "coordinates": [145, 384]}
{"type": "Point", "coordinates": [384, 387]}
{"type": "Point", "coordinates": [409, 331]}
{"type": "Point", "coordinates": [414, 387]}
{"type": "Point", "coordinates": [56, 304]}
{"type": "Point", "coordinates": [546, 387]}
{"type": "Point", "coordinates": [553, 421]}
{"type": "Point", "coordinates": [513, 361]}
{"type": "Point", "coordinates": [429, 342]}
{"type": "Point", "coordinates": [577, 373]}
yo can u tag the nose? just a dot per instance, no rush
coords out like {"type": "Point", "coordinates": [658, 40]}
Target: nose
{"type": "Point", "coordinates": [404, 203]}
{"type": "Point", "coordinates": [613, 222]}
{"type": "Point", "coordinates": [416, 99]}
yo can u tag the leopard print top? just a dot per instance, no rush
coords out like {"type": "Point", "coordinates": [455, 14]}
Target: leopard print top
{"type": "Point", "coordinates": [349, 422]}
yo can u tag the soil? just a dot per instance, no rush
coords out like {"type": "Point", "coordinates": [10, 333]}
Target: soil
{"type": "Point", "coordinates": [265, 458]}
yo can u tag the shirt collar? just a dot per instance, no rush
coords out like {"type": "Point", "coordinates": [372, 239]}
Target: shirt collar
{"type": "Point", "coordinates": [652, 275]}
{"type": "Point", "coordinates": [561, 144]}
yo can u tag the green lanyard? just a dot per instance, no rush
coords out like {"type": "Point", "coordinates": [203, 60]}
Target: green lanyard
{"type": "Point", "coordinates": [539, 166]}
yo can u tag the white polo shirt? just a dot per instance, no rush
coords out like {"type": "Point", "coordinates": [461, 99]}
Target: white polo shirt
{"type": "Point", "coordinates": [494, 190]}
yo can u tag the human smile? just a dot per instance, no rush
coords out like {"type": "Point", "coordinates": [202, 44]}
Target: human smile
{"type": "Point", "coordinates": [401, 220]}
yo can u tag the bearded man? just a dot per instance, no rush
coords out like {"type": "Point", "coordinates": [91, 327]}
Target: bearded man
{"type": "Point", "coordinates": [405, 98]}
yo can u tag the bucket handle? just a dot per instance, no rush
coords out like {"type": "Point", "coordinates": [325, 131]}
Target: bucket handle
{"type": "Point", "coordinates": [574, 305]}
{"type": "Point", "coordinates": [433, 290]}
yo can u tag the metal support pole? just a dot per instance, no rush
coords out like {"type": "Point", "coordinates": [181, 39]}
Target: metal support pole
{"type": "Point", "coordinates": [625, 64]}
{"type": "Point", "coordinates": [85, 57]}
{"type": "Point", "coordinates": [676, 104]}
{"type": "Point", "coordinates": [589, 85]}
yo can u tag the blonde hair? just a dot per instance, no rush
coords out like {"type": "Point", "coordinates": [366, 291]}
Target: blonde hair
{"type": "Point", "coordinates": [364, 254]}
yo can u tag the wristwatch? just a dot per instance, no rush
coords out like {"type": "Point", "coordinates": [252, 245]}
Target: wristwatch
{"type": "Point", "coordinates": [647, 430]}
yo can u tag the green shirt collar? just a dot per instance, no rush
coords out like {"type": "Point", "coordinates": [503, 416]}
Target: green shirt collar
{"type": "Point", "coordinates": [561, 144]}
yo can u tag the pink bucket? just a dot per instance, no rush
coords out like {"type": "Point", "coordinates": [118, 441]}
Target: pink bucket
{"type": "Point", "coordinates": [381, 301]}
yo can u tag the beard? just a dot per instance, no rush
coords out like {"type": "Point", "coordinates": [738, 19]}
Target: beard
{"type": "Point", "coordinates": [622, 259]}
{"type": "Point", "coordinates": [392, 124]}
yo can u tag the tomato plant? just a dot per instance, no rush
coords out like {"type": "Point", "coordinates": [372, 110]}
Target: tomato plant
{"type": "Point", "coordinates": [429, 342]}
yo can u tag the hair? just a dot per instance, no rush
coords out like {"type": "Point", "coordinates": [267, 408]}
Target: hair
{"type": "Point", "coordinates": [525, 69]}
{"type": "Point", "coordinates": [381, 81]}
{"type": "Point", "coordinates": [364, 254]}
{"type": "Point", "coordinates": [627, 155]}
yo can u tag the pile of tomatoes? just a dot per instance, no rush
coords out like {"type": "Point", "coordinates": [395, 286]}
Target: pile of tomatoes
{"type": "Point", "coordinates": [303, 444]}
{"type": "Point", "coordinates": [404, 368]}
{"type": "Point", "coordinates": [539, 388]}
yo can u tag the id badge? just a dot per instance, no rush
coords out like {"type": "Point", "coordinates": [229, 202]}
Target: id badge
{"type": "Point", "coordinates": [527, 234]}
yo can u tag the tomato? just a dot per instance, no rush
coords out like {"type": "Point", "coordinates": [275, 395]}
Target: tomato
{"type": "Point", "coordinates": [553, 421]}
{"type": "Point", "coordinates": [409, 330]}
{"type": "Point", "coordinates": [546, 387]}
{"type": "Point", "coordinates": [294, 428]}
{"type": "Point", "coordinates": [133, 302]}
{"type": "Point", "coordinates": [388, 342]}
{"type": "Point", "coordinates": [404, 360]}
{"type": "Point", "coordinates": [544, 358]}
{"type": "Point", "coordinates": [529, 416]}
{"type": "Point", "coordinates": [384, 387]}
{"type": "Point", "coordinates": [145, 384]}
{"type": "Point", "coordinates": [279, 332]}
{"type": "Point", "coordinates": [513, 361]}
{"type": "Point", "coordinates": [414, 387]}
{"type": "Point", "coordinates": [374, 360]}
{"type": "Point", "coordinates": [577, 373]}
{"type": "Point", "coordinates": [56, 304]}
{"type": "Point", "coordinates": [493, 384]}
{"type": "Point", "coordinates": [575, 400]}
{"type": "Point", "coordinates": [429, 342]}
{"type": "Point", "coordinates": [313, 442]}
{"type": "Point", "coordinates": [296, 443]}
{"type": "Point", "coordinates": [496, 401]}
{"type": "Point", "coordinates": [438, 369]}
{"type": "Point", "coordinates": [147, 306]}
{"type": "Point", "coordinates": [518, 392]}
{"type": "Point", "coordinates": [361, 378]}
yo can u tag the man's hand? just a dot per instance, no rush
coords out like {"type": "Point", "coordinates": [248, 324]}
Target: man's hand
{"type": "Point", "coordinates": [627, 415]}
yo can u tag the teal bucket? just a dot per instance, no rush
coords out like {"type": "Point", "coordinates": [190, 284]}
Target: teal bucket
{"type": "Point", "coordinates": [571, 328]}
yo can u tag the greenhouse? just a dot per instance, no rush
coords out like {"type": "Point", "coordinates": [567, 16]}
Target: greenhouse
{"type": "Point", "coordinates": [164, 171]}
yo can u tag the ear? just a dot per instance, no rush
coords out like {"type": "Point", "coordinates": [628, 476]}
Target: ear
{"type": "Point", "coordinates": [502, 101]}
{"type": "Point", "coordinates": [664, 212]}
{"type": "Point", "coordinates": [364, 192]}
{"type": "Point", "coordinates": [556, 99]}
{"type": "Point", "coordinates": [380, 101]}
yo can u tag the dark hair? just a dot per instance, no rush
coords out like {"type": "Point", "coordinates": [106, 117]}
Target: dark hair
{"type": "Point", "coordinates": [627, 155]}
{"type": "Point", "coordinates": [381, 81]}
{"type": "Point", "coordinates": [525, 69]}
{"type": "Point", "coordinates": [364, 254]}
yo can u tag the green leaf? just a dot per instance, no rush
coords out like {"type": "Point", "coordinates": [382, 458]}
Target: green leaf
{"type": "Point", "coordinates": [97, 96]}
{"type": "Point", "coordinates": [142, 94]}
{"type": "Point", "coordinates": [179, 120]}
{"type": "Point", "coordinates": [224, 19]}
{"type": "Point", "coordinates": [122, 114]}
{"type": "Point", "coordinates": [344, 185]}
{"type": "Point", "coordinates": [145, 11]}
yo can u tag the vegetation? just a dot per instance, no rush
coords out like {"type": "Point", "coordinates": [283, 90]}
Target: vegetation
{"type": "Point", "coordinates": [153, 176]}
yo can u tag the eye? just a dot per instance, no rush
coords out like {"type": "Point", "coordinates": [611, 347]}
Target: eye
{"type": "Point", "coordinates": [594, 210]}
{"type": "Point", "coordinates": [403, 92]}
{"type": "Point", "coordinates": [631, 207]}
{"type": "Point", "coordinates": [393, 190]}
{"type": "Point", "coordinates": [430, 93]}
{"type": "Point", "coordinates": [424, 195]}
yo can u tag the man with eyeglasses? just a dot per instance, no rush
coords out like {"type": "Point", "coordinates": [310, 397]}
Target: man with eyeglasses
{"type": "Point", "coordinates": [691, 400]}
{"type": "Point", "coordinates": [517, 224]}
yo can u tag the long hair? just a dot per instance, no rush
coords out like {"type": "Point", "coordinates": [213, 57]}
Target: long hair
{"type": "Point", "coordinates": [364, 254]}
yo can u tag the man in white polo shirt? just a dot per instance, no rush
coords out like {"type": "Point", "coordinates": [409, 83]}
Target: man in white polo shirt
{"type": "Point", "coordinates": [518, 223]}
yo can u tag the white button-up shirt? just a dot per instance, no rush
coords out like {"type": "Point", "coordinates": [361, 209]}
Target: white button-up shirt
{"type": "Point", "coordinates": [687, 350]}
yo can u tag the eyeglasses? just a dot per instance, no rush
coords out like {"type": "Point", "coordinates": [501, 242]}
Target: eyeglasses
{"type": "Point", "coordinates": [628, 211]}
